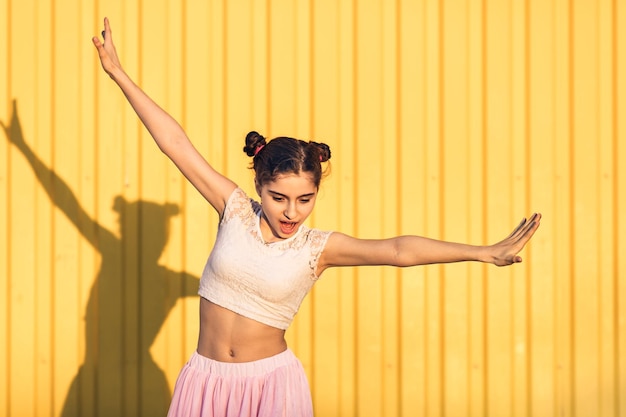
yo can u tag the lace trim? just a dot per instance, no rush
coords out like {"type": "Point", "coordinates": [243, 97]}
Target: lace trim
{"type": "Point", "coordinates": [318, 242]}
{"type": "Point", "coordinates": [248, 211]}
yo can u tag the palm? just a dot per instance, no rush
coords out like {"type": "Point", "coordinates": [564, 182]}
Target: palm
{"type": "Point", "coordinates": [13, 130]}
{"type": "Point", "coordinates": [106, 50]}
{"type": "Point", "coordinates": [506, 251]}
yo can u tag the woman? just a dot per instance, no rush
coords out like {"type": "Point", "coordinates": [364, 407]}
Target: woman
{"type": "Point", "coordinates": [264, 262]}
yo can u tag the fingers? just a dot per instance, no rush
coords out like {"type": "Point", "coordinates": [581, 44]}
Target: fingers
{"type": "Point", "coordinates": [520, 241]}
{"type": "Point", "coordinates": [106, 33]}
{"type": "Point", "coordinates": [533, 224]}
{"type": "Point", "coordinates": [525, 225]}
{"type": "Point", "coordinates": [99, 46]}
{"type": "Point", "coordinates": [104, 46]}
{"type": "Point", "coordinates": [517, 229]}
{"type": "Point", "coordinates": [525, 234]}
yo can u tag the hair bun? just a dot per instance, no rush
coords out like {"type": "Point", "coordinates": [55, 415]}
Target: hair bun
{"type": "Point", "coordinates": [324, 151]}
{"type": "Point", "coordinates": [253, 142]}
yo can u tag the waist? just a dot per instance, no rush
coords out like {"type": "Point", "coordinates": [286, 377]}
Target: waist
{"type": "Point", "coordinates": [226, 336]}
{"type": "Point", "coordinates": [243, 369]}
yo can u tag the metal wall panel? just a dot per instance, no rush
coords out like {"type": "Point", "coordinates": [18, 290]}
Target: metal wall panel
{"type": "Point", "coordinates": [451, 119]}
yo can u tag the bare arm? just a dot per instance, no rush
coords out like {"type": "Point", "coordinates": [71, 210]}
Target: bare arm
{"type": "Point", "coordinates": [166, 132]}
{"type": "Point", "coordinates": [402, 251]}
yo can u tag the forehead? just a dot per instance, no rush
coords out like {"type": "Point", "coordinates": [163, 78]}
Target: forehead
{"type": "Point", "coordinates": [292, 184]}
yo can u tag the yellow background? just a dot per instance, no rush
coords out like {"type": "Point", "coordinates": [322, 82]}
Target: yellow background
{"type": "Point", "coordinates": [450, 119]}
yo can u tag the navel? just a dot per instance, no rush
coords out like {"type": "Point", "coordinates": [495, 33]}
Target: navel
{"type": "Point", "coordinates": [231, 353]}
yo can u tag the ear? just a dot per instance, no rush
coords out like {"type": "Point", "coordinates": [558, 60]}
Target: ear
{"type": "Point", "coordinates": [257, 187]}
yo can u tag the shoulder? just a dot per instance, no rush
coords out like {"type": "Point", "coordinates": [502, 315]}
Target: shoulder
{"type": "Point", "coordinates": [317, 238]}
{"type": "Point", "coordinates": [339, 240]}
{"type": "Point", "coordinates": [239, 204]}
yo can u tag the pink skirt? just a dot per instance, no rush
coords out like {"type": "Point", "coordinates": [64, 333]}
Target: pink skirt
{"type": "Point", "coordinates": [270, 387]}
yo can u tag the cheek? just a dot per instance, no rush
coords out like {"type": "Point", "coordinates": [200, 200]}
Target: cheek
{"type": "Point", "coordinates": [307, 209]}
{"type": "Point", "coordinates": [272, 208]}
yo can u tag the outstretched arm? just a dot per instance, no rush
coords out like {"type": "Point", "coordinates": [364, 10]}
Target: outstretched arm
{"type": "Point", "coordinates": [167, 133]}
{"type": "Point", "coordinates": [343, 250]}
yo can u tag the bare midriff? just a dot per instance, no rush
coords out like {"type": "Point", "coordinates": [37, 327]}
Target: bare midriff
{"type": "Point", "coordinates": [226, 336]}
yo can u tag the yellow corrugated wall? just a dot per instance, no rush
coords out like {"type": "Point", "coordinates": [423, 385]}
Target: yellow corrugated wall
{"type": "Point", "coordinates": [451, 119]}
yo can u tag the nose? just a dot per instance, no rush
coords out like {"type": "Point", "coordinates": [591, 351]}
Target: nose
{"type": "Point", "coordinates": [290, 211]}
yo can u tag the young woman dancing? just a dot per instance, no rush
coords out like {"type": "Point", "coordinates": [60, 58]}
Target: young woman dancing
{"type": "Point", "coordinates": [264, 262]}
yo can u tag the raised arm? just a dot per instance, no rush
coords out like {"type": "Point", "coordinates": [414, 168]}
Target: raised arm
{"type": "Point", "coordinates": [167, 133]}
{"type": "Point", "coordinates": [343, 250]}
{"type": "Point", "coordinates": [56, 188]}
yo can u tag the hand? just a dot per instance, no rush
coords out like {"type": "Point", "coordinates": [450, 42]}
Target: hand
{"type": "Point", "coordinates": [106, 51]}
{"type": "Point", "coordinates": [14, 130]}
{"type": "Point", "coordinates": [506, 252]}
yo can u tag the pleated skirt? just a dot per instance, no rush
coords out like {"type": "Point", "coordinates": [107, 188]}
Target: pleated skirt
{"type": "Point", "coordinates": [270, 387]}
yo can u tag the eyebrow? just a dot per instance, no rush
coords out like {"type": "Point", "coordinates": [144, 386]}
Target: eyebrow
{"type": "Point", "coordinates": [286, 196]}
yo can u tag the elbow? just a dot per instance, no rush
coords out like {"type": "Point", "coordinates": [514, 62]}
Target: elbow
{"type": "Point", "coordinates": [399, 256]}
{"type": "Point", "coordinates": [172, 144]}
{"type": "Point", "coordinates": [408, 252]}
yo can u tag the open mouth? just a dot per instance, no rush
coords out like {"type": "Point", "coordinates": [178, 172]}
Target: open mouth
{"type": "Point", "coordinates": [287, 228]}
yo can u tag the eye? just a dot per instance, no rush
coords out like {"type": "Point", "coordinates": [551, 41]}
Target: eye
{"type": "Point", "coordinates": [276, 198]}
{"type": "Point", "coordinates": [305, 200]}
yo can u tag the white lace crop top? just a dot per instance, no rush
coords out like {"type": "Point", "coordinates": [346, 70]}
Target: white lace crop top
{"type": "Point", "coordinates": [262, 281]}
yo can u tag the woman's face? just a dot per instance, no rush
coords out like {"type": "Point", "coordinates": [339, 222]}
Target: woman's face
{"type": "Point", "coordinates": [287, 202]}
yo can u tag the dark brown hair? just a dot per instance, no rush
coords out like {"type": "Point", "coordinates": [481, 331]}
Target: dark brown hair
{"type": "Point", "coordinates": [283, 155]}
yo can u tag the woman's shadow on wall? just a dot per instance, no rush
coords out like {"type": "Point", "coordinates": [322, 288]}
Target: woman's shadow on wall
{"type": "Point", "coordinates": [128, 302]}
